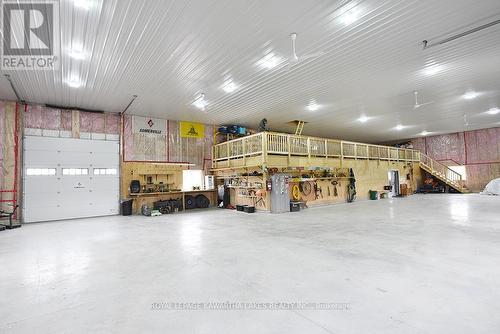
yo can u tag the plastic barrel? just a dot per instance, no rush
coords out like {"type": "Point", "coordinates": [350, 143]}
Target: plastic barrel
{"type": "Point", "coordinates": [127, 207]}
{"type": "Point", "coordinates": [373, 195]}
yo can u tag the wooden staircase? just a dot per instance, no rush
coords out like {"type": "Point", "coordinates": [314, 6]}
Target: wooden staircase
{"type": "Point", "coordinates": [443, 173]}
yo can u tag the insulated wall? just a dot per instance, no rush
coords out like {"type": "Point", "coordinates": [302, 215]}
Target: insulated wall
{"type": "Point", "coordinates": [8, 179]}
{"type": "Point", "coordinates": [168, 145]}
{"type": "Point", "coordinates": [478, 150]}
{"type": "Point", "coordinates": [51, 122]}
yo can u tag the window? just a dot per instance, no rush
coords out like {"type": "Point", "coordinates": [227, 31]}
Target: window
{"type": "Point", "coordinates": [40, 171]}
{"type": "Point", "coordinates": [75, 171]}
{"type": "Point", "coordinates": [105, 171]}
{"type": "Point", "coordinates": [460, 170]}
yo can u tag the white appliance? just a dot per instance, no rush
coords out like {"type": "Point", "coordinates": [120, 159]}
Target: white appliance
{"type": "Point", "coordinates": [209, 182]}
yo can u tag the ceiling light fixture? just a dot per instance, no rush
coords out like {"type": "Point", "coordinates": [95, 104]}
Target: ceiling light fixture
{"type": "Point", "coordinates": [74, 83]}
{"type": "Point", "coordinates": [269, 61]}
{"type": "Point", "coordinates": [349, 17]}
{"type": "Point", "coordinates": [432, 70]}
{"type": "Point", "coordinates": [83, 4]}
{"type": "Point", "coordinates": [470, 95]}
{"type": "Point", "coordinates": [229, 86]}
{"type": "Point", "coordinates": [200, 102]}
{"type": "Point", "coordinates": [312, 106]}
{"type": "Point", "coordinates": [399, 127]}
{"type": "Point", "coordinates": [494, 111]}
{"type": "Point", "coordinates": [75, 54]}
{"type": "Point", "coordinates": [363, 119]}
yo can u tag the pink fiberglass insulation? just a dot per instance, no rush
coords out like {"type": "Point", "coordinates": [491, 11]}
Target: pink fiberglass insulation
{"type": "Point", "coordinates": [85, 122]}
{"type": "Point", "coordinates": [113, 124]}
{"type": "Point", "coordinates": [173, 149]}
{"type": "Point", "coordinates": [478, 150]}
{"type": "Point", "coordinates": [66, 120]}
{"type": "Point", "coordinates": [127, 139]}
{"type": "Point", "coordinates": [446, 147]}
{"type": "Point", "coordinates": [51, 119]}
{"type": "Point", "coordinates": [98, 123]}
{"type": "Point", "coordinates": [419, 144]}
{"type": "Point", "coordinates": [483, 145]}
{"type": "Point", "coordinates": [33, 117]}
{"type": "Point", "coordinates": [2, 134]}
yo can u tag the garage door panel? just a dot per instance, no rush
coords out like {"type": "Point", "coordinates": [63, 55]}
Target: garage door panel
{"type": "Point", "coordinates": [70, 196]}
{"type": "Point", "coordinates": [39, 158]}
{"type": "Point", "coordinates": [104, 183]}
{"type": "Point", "coordinates": [37, 184]}
{"type": "Point", "coordinates": [104, 160]}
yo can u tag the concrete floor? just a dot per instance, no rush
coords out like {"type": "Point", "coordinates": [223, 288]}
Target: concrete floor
{"type": "Point", "coordinates": [424, 264]}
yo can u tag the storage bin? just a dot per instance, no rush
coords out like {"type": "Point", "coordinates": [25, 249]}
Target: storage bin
{"type": "Point", "coordinates": [240, 207]}
{"type": "Point", "coordinates": [126, 207]}
{"type": "Point", "coordinates": [249, 209]}
{"type": "Point", "coordinates": [294, 206]}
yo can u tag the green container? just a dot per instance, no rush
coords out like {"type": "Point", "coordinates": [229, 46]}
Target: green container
{"type": "Point", "coordinates": [373, 195]}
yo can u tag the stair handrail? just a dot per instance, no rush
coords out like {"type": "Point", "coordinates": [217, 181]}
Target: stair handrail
{"type": "Point", "coordinates": [433, 165]}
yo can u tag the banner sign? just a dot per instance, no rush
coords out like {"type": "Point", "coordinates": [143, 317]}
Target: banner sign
{"type": "Point", "coordinates": [149, 125]}
{"type": "Point", "coordinates": [192, 130]}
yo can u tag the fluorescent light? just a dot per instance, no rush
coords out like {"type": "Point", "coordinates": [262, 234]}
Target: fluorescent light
{"type": "Point", "coordinates": [74, 83]}
{"type": "Point", "coordinates": [349, 17]}
{"type": "Point", "coordinates": [229, 86]}
{"type": "Point", "coordinates": [312, 106]}
{"type": "Point", "coordinates": [399, 127]}
{"type": "Point", "coordinates": [493, 111]}
{"type": "Point", "coordinates": [363, 119]}
{"type": "Point", "coordinates": [200, 102]}
{"type": "Point", "coordinates": [432, 70]}
{"type": "Point", "coordinates": [75, 54]}
{"type": "Point", "coordinates": [470, 95]}
{"type": "Point", "coordinates": [83, 4]}
{"type": "Point", "coordinates": [269, 61]}
{"type": "Point", "coordinates": [424, 133]}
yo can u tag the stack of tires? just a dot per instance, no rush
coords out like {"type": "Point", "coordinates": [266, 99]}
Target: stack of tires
{"type": "Point", "coordinates": [197, 202]}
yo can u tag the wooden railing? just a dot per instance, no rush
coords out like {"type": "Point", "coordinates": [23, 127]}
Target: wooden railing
{"type": "Point", "coordinates": [266, 143]}
{"type": "Point", "coordinates": [442, 171]}
{"type": "Point", "coordinates": [273, 143]}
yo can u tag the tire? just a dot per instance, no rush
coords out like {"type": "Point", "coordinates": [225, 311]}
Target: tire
{"type": "Point", "coordinates": [202, 201]}
{"type": "Point", "coordinates": [190, 202]}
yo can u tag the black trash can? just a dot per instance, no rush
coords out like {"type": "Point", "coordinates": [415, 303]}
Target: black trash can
{"type": "Point", "coordinates": [127, 207]}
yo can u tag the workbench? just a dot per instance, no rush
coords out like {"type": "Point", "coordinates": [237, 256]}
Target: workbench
{"type": "Point", "coordinates": [150, 198]}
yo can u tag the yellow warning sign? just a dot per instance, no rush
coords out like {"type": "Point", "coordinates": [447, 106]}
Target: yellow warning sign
{"type": "Point", "coordinates": [192, 130]}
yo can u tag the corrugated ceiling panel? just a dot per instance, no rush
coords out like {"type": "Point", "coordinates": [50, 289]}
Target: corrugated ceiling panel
{"type": "Point", "coordinates": [167, 52]}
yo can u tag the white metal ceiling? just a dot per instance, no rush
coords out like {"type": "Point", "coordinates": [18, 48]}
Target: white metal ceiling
{"type": "Point", "coordinates": [168, 52]}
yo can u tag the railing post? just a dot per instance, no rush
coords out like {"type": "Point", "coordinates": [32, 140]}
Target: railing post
{"type": "Point", "coordinates": [341, 153]}
{"type": "Point", "coordinates": [308, 150]}
{"type": "Point", "coordinates": [264, 147]}
{"type": "Point", "coordinates": [244, 150]}
{"type": "Point", "coordinates": [289, 148]}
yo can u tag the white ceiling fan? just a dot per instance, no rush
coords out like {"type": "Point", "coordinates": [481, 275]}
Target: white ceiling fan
{"type": "Point", "coordinates": [294, 58]}
{"type": "Point", "coordinates": [418, 105]}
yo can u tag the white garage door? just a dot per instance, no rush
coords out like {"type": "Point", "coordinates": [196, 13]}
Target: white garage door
{"type": "Point", "coordinates": [68, 178]}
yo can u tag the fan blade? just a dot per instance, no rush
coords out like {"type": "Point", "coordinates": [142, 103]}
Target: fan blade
{"type": "Point", "coordinates": [423, 104]}
{"type": "Point", "coordinates": [311, 55]}
{"type": "Point", "coordinates": [293, 37]}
